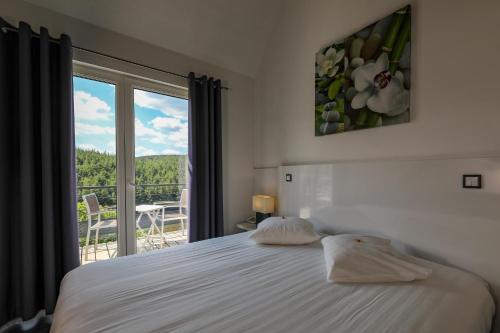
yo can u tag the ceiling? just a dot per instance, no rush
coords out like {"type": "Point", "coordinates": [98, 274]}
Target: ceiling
{"type": "Point", "coordinates": [228, 33]}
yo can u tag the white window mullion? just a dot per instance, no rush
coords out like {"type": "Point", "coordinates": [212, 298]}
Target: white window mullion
{"type": "Point", "coordinates": [129, 152]}
{"type": "Point", "coordinates": [121, 167]}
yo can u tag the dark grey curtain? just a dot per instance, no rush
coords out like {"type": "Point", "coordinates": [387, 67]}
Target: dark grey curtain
{"type": "Point", "coordinates": [38, 235]}
{"type": "Point", "coordinates": [205, 159]}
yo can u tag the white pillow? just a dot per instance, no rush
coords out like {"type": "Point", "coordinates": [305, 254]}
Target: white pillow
{"type": "Point", "coordinates": [366, 259]}
{"type": "Point", "coordinates": [284, 231]}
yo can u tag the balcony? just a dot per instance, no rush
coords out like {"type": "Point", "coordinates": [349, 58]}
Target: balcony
{"type": "Point", "coordinates": [158, 228]}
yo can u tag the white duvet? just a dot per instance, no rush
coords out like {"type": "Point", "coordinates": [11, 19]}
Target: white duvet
{"type": "Point", "coordinates": [230, 284]}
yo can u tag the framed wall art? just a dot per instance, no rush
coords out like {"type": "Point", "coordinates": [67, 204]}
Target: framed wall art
{"type": "Point", "coordinates": [363, 80]}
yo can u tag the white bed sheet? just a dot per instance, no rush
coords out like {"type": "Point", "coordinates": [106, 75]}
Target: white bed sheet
{"type": "Point", "coordinates": [230, 284]}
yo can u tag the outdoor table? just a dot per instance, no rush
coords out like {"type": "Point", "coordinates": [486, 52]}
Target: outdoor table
{"type": "Point", "coordinates": [152, 211]}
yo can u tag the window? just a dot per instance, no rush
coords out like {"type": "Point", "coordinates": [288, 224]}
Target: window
{"type": "Point", "coordinates": [131, 150]}
{"type": "Point", "coordinates": [95, 139]}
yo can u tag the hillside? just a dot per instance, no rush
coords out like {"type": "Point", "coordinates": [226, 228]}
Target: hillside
{"type": "Point", "coordinates": [95, 168]}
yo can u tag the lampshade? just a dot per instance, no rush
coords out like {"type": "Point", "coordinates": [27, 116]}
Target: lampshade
{"type": "Point", "coordinates": [263, 204]}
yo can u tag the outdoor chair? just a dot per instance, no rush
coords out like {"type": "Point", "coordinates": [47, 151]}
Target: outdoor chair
{"type": "Point", "coordinates": [182, 215]}
{"type": "Point", "coordinates": [93, 209]}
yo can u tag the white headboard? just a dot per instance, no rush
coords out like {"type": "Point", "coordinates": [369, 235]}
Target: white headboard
{"type": "Point", "coordinates": [420, 203]}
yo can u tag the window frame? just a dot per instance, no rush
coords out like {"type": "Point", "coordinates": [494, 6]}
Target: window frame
{"type": "Point", "coordinates": [125, 83]}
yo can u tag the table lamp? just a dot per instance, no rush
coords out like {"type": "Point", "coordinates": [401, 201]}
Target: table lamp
{"type": "Point", "coordinates": [263, 206]}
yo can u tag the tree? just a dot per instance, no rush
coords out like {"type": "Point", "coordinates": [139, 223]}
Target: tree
{"type": "Point", "coordinates": [159, 177]}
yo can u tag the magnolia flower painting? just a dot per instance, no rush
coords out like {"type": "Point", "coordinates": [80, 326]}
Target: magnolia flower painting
{"type": "Point", "coordinates": [363, 81]}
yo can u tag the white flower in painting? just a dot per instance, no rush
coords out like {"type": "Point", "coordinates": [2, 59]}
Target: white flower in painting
{"type": "Point", "coordinates": [327, 63]}
{"type": "Point", "coordinates": [379, 90]}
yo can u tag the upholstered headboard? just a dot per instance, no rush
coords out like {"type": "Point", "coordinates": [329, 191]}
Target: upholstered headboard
{"type": "Point", "coordinates": [420, 204]}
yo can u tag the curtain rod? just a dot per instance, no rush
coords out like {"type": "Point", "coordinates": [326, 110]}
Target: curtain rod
{"type": "Point", "coordinates": [14, 29]}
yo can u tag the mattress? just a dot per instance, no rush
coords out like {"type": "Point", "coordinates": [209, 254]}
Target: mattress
{"type": "Point", "coordinates": [230, 284]}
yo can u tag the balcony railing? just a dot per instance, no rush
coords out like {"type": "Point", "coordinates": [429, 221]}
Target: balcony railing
{"type": "Point", "coordinates": [144, 194]}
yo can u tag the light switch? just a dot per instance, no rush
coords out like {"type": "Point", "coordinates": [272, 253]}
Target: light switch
{"type": "Point", "coordinates": [472, 181]}
{"type": "Point", "coordinates": [288, 177]}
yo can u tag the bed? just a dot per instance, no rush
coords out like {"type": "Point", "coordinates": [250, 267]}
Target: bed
{"type": "Point", "coordinates": [230, 284]}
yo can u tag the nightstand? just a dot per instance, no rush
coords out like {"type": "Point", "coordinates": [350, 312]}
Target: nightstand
{"type": "Point", "coordinates": [246, 226]}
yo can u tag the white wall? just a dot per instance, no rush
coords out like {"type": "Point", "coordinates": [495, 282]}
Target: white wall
{"type": "Point", "coordinates": [237, 112]}
{"type": "Point", "coordinates": [455, 108]}
{"type": "Point", "coordinates": [455, 111]}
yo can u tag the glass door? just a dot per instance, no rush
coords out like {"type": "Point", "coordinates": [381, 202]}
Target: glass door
{"type": "Point", "coordinates": [131, 150]}
{"type": "Point", "coordinates": [96, 168]}
{"type": "Point", "coordinates": [160, 164]}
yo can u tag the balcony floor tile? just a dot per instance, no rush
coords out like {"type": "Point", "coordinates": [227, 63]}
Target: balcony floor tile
{"type": "Point", "coordinates": [109, 250]}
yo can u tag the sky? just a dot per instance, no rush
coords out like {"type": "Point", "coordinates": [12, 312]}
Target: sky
{"type": "Point", "coordinates": [161, 126]}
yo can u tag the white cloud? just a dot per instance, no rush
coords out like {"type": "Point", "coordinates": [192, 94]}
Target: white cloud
{"type": "Point", "coordinates": [155, 101]}
{"type": "Point", "coordinates": [171, 152]}
{"type": "Point", "coordinates": [143, 151]}
{"type": "Point", "coordinates": [88, 146]}
{"type": "Point", "coordinates": [167, 122]}
{"type": "Point", "coordinates": [179, 138]}
{"type": "Point", "coordinates": [154, 135]}
{"type": "Point", "coordinates": [81, 128]}
{"type": "Point", "coordinates": [166, 130]}
{"type": "Point", "coordinates": [90, 107]}
{"type": "Point", "coordinates": [177, 133]}
{"type": "Point", "coordinates": [111, 146]}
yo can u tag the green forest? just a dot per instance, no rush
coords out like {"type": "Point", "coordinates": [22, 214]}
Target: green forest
{"type": "Point", "coordinates": [159, 177]}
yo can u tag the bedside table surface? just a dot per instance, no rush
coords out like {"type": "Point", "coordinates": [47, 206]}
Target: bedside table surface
{"type": "Point", "coordinates": [247, 226]}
